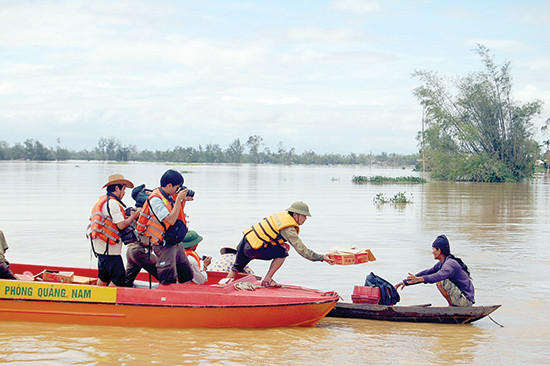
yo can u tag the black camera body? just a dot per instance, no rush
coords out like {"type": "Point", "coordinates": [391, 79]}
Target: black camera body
{"type": "Point", "coordinates": [141, 198]}
{"type": "Point", "coordinates": [128, 234]}
{"type": "Point", "coordinates": [190, 192]}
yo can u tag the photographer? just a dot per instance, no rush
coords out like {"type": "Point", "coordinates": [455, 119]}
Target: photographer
{"type": "Point", "coordinates": [162, 223]}
{"type": "Point", "coordinates": [138, 254]}
{"type": "Point", "coordinates": [107, 220]}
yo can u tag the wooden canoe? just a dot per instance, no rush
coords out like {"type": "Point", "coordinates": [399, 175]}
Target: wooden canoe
{"type": "Point", "coordinates": [420, 313]}
{"type": "Point", "coordinates": [173, 306]}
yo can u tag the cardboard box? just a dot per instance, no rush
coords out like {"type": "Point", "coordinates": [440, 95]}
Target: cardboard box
{"type": "Point", "coordinates": [23, 277]}
{"type": "Point", "coordinates": [366, 295]}
{"type": "Point", "coordinates": [344, 257]}
{"type": "Point", "coordinates": [58, 276]}
{"type": "Point", "coordinates": [83, 280]}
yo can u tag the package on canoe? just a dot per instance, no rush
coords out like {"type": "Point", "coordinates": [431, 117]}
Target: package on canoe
{"type": "Point", "coordinates": [351, 255]}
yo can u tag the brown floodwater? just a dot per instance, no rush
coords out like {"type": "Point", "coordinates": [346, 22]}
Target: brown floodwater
{"type": "Point", "coordinates": [501, 231]}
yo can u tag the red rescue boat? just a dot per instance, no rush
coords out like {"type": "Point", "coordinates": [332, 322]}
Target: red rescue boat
{"type": "Point", "coordinates": [242, 303]}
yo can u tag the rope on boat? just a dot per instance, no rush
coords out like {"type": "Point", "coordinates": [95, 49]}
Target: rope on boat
{"type": "Point", "coordinates": [248, 286]}
{"type": "Point", "coordinates": [500, 325]}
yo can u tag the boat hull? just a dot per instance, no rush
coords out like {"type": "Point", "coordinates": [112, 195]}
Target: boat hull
{"type": "Point", "coordinates": [173, 306]}
{"type": "Point", "coordinates": [419, 314]}
{"type": "Point", "coordinates": [164, 316]}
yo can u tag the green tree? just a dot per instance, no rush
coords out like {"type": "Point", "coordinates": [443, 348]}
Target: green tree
{"type": "Point", "coordinates": [5, 152]}
{"type": "Point", "coordinates": [481, 133]}
{"type": "Point", "coordinates": [111, 149]}
{"type": "Point", "coordinates": [254, 142]}
{"type": "Point", "coordinates": [234, 153]}
{"type": "Point", "coordinates": [34, 150]}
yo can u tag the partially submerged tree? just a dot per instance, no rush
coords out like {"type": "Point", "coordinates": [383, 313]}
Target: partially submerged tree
{"type": "Point", "coordinates": [480, 134]}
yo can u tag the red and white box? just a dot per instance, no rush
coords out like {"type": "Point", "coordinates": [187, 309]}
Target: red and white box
{"type": "Point", "coordinates": [366, 295]}
{"type": "Point", "coordinates": [58, 276]}
{"type": "Point", "coordinates": [351, 255]}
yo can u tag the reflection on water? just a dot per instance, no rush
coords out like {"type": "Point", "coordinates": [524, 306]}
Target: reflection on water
{"type": "Point", "coordinates": [478, 209]}
{"type": "Point", "coordinates": [334, 341]}
{"type": "Point", "coordinates": [500, 230]}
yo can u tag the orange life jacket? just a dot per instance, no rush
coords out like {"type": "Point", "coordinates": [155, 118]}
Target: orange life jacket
{"type": "Point", "coordinates": [101, 226]}
{"type": "Point", "coordinates": [268, 230]}
{"type": "Point", "coordinates": [148, 223]}
{"type": "Point", "coordinates": [194, 254]}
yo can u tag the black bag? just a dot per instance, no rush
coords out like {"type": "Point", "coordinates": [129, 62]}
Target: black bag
{"type": "Point", "coordinates": [128, 235]}
{"type": "Point", "coordinates": [175, 233]}
{"type": "Point", "coordinates": [388, 293]}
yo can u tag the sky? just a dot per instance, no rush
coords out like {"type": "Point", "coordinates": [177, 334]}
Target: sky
{"type": "Point", "coordinates": [313, 75]}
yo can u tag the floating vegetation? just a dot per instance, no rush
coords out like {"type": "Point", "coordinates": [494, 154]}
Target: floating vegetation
{"type": "Point", "coordinates": [399, 198]}
{"type": "Point", "coordinates": [380, 179]}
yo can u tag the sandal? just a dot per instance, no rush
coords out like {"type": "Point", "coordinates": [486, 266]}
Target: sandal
{"type": "Point", "coordinates": [270, 284]}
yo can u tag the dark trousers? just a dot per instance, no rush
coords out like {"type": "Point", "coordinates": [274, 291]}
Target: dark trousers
{"type": "Point", "coordinates": [172, 264]}
{"type": "Point", "coordinates": [138, 257]}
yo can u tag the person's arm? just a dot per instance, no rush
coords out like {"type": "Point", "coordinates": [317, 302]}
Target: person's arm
{"type": "Point", "coordinates": [199, 276]}
{"type": "Point", "coordinates": [400, 284]}
{"type": "Point", "coordinates": [118, 217]}
{"type": "Point", "coordinates": [413, 279]}
{"type": "Point", "coordinates": [206, 262]}
{"type": "Point", "coordinates": [445, 271]}
{"type": "Point", "coordinates": [435, 274]}
{"type": "Point", "coordinates": [181, 198]}
{"type": "Point", "coordinates": [291, 235]}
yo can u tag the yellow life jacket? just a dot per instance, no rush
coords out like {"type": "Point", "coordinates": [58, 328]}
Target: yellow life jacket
{"type": "Point", "coordinates": [268, 230]}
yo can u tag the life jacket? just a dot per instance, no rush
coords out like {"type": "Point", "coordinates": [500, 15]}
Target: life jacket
{"type": "Point", "coordinates": [101, 226]}
{"type": "Point", "coordinates": [194, 254]}
{"type": "Point", "coordinates": [268, 230]}
{"type": "Point", "coordinates": [148, 223]}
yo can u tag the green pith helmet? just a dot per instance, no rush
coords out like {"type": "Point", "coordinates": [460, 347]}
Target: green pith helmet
{"type": "Point", "coordinates": [300, 208]}
{"type": "Point", "coordinates": [191, 239]}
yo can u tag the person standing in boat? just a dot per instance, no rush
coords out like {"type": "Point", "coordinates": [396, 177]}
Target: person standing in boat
{"type": "Point", "coordinates": [162, 223]}
{"type": "Point", "coordinates": [107, 220]}
{"type": "Point", "coordinates": [5, 271]}
{"type": "Point", "coordinates": [268, 240]}
{"type": "Point", "coordinates": [138, 254]}
{"type": "Point", "coordinates": [450, 275]}
{"type": "Point", "coordinates": [198, 265]}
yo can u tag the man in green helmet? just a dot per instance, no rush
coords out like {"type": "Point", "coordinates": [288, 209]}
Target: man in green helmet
{"type": "Point", "coordinates": [268, 240]}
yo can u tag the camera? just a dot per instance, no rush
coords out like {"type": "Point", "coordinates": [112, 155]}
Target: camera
{"type": "Point", "coordinates": [141, 198]}
{"type": "Point", "coordinates": [190, 192]}
{"type": "Point", "coordinates": [140, 194]}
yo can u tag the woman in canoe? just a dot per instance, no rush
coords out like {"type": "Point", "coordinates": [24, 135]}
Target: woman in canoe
{"type": "Point", "coordinates": [450, 275]}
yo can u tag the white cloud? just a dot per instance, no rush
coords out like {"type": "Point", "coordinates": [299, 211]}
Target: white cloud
{"type": "Point", "coordinates": [357, 6]}
{"type": "Point", "coordinates": [162, 74]}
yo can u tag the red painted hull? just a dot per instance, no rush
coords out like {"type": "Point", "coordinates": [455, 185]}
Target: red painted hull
{"type": "Point", "coordinates": [174, 306]}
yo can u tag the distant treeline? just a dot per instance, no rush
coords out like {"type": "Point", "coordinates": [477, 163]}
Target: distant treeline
{"type": "Point", "coordinates": [359, 179]}
{"type": "Point", "coordinates": [237, 152]}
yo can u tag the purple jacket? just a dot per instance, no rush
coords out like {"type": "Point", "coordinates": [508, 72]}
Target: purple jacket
{"type": "Point", "coordinates": [450, 269]}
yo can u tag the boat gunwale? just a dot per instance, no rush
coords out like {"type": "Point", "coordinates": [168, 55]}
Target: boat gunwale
{"type": "Point", "coordinates": [172, 305]}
